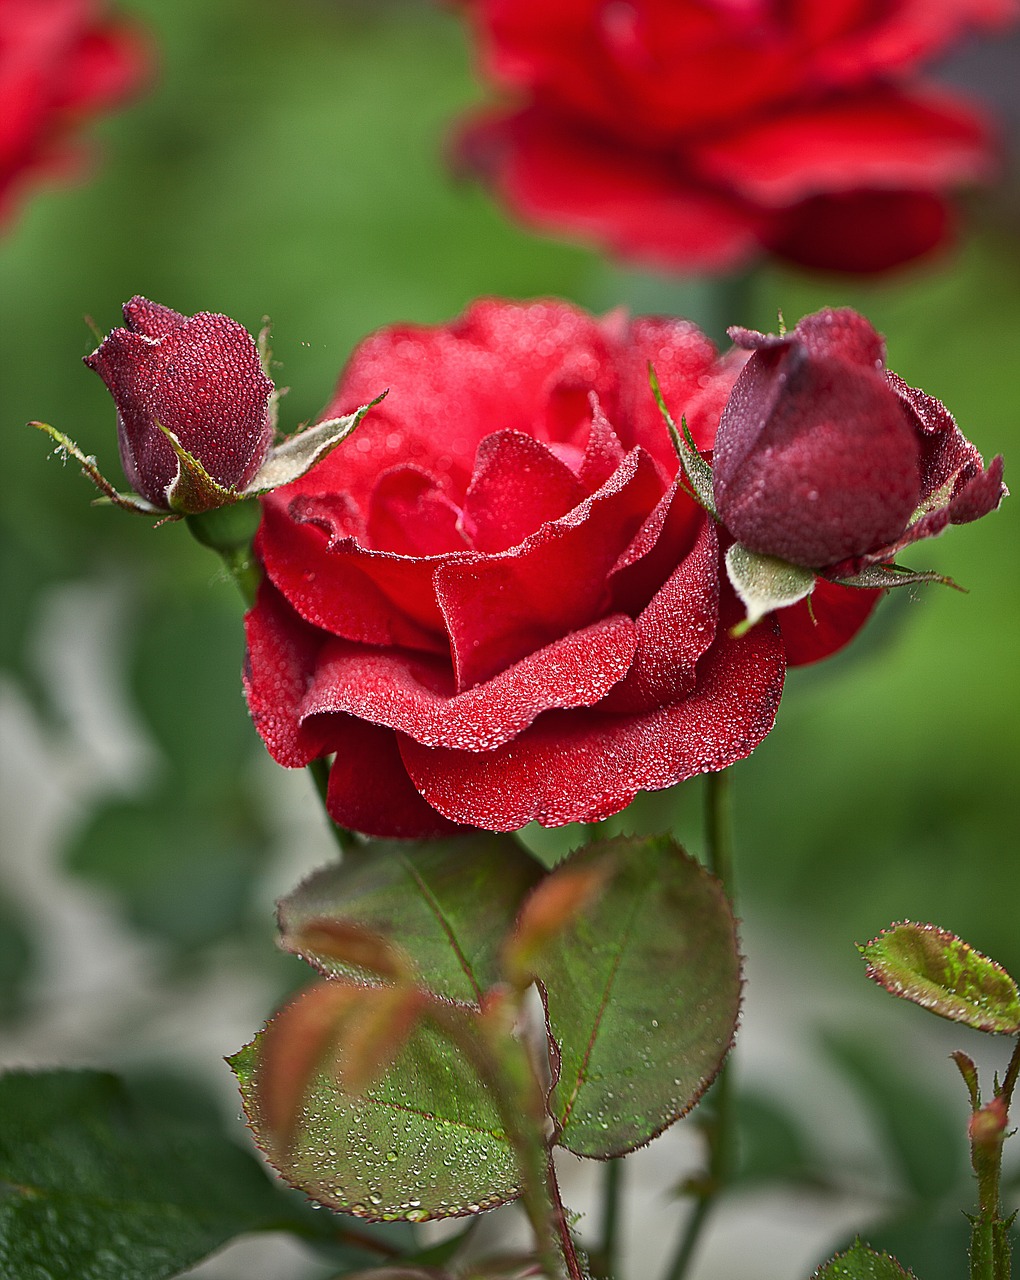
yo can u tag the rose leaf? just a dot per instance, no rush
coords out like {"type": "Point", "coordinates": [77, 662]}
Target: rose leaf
{"type": "Point", "coordinates": [861, 1262]}
{"type": "Point", "coordinates": [94, 1185]}
{"type": "Point", "coordinates": [422, 1140]}
{"type": "Point", "coordinates": [941, 972]}
{"type": "Point", "coordinates": [447, 904]}
{"type": "Point", "coordinates": [642, 990]}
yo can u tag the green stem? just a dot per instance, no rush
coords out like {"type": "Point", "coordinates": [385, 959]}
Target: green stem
{"type": "Point", "coordinates": [719, 1130]}
{"type": "Point", "coordinates": [612, 1186]}
{"type": "Point", "coordinates": [990, 1250]}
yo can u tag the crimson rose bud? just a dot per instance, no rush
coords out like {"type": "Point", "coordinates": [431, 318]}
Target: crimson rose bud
{"type": "Point", "coordinates": [196, 378]}
{"type": "Point", "coordinates": [825, 459]}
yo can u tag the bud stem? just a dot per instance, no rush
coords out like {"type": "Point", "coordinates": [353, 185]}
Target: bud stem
{"type": "Point", "coordinates": [990, 1251]}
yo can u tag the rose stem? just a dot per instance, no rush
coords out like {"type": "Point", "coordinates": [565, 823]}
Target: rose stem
{"type": "Point", "coordinates": [612, 1184]}
{"type": "Point", "coordinates": [990, 1249]}
{"type": "Point", "coordinates": [719, 1128]}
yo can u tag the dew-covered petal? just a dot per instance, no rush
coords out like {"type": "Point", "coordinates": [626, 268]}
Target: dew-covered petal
{"type": "Point", "coordinates": [581, 766]}
{"type": "Point", "coordinates": [821, 624]}
{"type": "Point", "coordinates": [500, 608]}
{"type": "Point", "coordinates": [282, 654]}
{"type": "Point", "coordinates": [416, 695]}
{"type": "Point", "coordinates": [369, 789]}
{"type": "Point", "coordinates": [517, 486]}
{"type": "Point", "coordinates": [674, 631]}
{"type": "Point", "coordinates": [376, 597]}
{"type": "Point", "coordinates": [410, 514]}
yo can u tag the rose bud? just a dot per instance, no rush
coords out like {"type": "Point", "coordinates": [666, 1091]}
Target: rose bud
{"type": "Point", "coordinates": [195, 382]}
{"type": "Point", "coordinates": [826, 460]}
{"type": "Point", "coordinates": [196, 415]}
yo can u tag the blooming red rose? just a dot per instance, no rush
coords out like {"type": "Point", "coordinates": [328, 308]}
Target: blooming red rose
{"type": "Point", "coordinates": [825, 459]}
{"type": "Point", "coordinates": [61, 61]}
{"type": "Point", "coordinates": [496, 602]}
{"type": "Point", "coordinates": [692, 134]}
{"type": "Point", "coordinates": [197, 377]}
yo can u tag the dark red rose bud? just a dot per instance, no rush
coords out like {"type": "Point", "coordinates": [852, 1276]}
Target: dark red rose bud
{"type": "Point", "coordinates": [198, 378]}
{"type": "Point", "coordinates": [826, 460]}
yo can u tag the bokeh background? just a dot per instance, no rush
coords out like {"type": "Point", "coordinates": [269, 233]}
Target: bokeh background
{"type": "Point", "coordinates": [289, 161]}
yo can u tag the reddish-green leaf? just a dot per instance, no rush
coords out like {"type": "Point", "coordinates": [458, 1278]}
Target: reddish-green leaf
{"type": "Point", "coordinates": [941, 972]}
{"type": "Point", "coordinates": [642, 990]}
{"type": "Point", "coordinates": [423, 1140]}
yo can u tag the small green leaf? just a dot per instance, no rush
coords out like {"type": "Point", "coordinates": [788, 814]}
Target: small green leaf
{"type": "Point", "coordinates": [696, 469]}
{"type": "Point", "coordinates": [941, 972]}
{"type": "Point", "coordinates": [764, 583]}
{"type": "Point", "coordinates": [861, 1262]}
{"type": "Point", "coordinates": [424, 1140]}
{"type": "Point", "coordinates": [447, 904]}
{"type": "Point", "coordinates": [93, 1188]}
{"type": "Point", "coordinates": [642, 991]}
{"type": "Point", "coordinates": [67, 448]}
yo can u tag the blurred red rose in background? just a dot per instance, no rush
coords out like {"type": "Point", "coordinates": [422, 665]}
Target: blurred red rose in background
{"type": "Point", "coordinates": [695, 134]}
{"type": "Point", "coordinates": [61, 61]}
{"type": "Point", "coordinates": [496, 602]}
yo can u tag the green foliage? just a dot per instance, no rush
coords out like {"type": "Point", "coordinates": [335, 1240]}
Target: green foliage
{"type": "Point", "coordinates": [861, 1262]}
{"type": "Point", "coordinates": [96, 1188]}
{"type": "Point", "coordinates": [446, 904]}
{"type": "Point", "coordinates": [944, 974]}
{"type": "Point", "coordinates": [424, 1140]}
{"type": "Point", "coordinates": [642, 991]}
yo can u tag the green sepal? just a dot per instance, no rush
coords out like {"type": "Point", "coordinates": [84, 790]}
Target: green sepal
{"type": "Point", "coordinates": [193, 490]}
{"type": "Point", "coordinates": [939, 971]}
{"type": "Point", "coordinates": [886, 576]}
{"type": "Point", "coordinates": [764, 583]}
{"type": "Point", "coordinates": [696, 469]}
{"type": "Point", "coordinates": [292, 458]}
{"type": "Point", "coordinates": [66, 447]}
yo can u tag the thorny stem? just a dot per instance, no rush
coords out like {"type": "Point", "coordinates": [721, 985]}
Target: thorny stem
{"type": "Point", "coordinates": [719, 1127]}
{"type": "Point", "coordinates": [990, 1250]}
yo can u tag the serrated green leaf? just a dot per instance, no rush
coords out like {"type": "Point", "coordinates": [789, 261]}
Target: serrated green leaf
{"type": "Point", "coordinates": [861, 1262]}
{"type": "Point", "coordinates": [939, 971]}
{"type": "Point", "coordinates": [448, 904]}
{"type": "Point", "coordinates": [764, 583]}
{"type": "Point", "coordinates": [423, 1141]}
{"type": "Point", "coordinates": [95, 1189]}
{"type": "Point", "coordinates": [642, 991]}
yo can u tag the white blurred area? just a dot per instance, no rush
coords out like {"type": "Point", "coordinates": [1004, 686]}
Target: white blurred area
{"type": "Point", "coordinates": [101, 996]}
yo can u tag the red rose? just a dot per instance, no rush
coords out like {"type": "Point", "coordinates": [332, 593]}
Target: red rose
{"type": "Point", "coordinates": [825, 459]}
{"type": "Point", "coordinates": [198, 377]}
{"type": "Point", "coordinates": [692, 134]}
{"type": "Point", "coordinates": [60, 62]}
{"type": "Point", "coordinates": [496, 603]}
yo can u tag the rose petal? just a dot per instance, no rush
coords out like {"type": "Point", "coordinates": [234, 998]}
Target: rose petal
{"type": "Point", "coordinates": [282, 653]}
{"type": "Point", "coordinates": [500, 608]}
{"type": "Point", "coordinates": [873, 140]}
{"type": "Point", "coordinates": [411, 515]}
{"type": "Point", "coordinates": [372, 596]}
{"type": "Point", "coordinates": [674, 632]}
{"type": "Point", "coordinates": [821, 624]}
{"type": "Point", "coordinates": [416, 694]}
{"type": "Point", "coordinates": [581, 766]}
{"type": "Point", "coordinates": [645, 206]}
{"type": "Point", "coordinates": [517, 486]}
{"type": "Point", "coordinates": [369, 789]}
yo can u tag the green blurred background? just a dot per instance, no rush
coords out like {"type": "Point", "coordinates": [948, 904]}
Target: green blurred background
{"type": "Point", "coordinates": [289, 162]}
